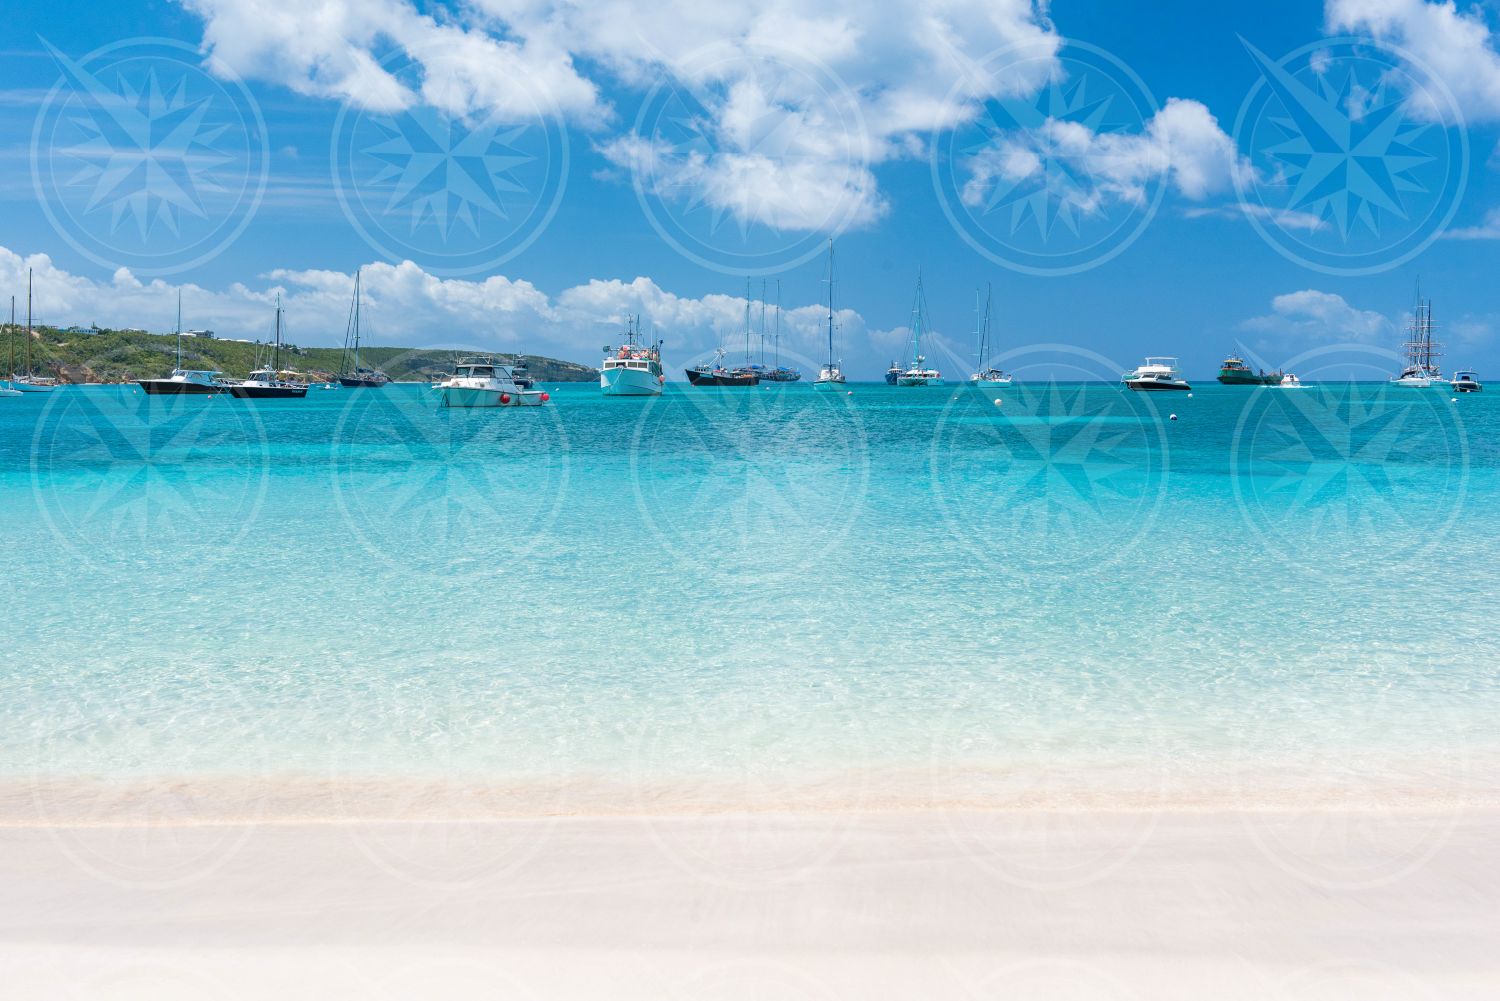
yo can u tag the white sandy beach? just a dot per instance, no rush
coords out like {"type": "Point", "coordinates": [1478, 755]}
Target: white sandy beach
{"type": "Point", "coordinates": [1330, 903]}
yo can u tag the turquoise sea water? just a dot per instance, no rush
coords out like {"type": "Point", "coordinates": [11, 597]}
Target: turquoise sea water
{"type": "Point", "coordinates": [758, 590]}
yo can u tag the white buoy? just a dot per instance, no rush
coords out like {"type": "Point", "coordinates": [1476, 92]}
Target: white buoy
{"type": "Point", "coordinates": [1453, 400]}
{"type": "Point", "coordinates": [1172, 418]}
{"type": "Point", "coordinates": [1190, 396]}
{"type": "Point", "coordinates": [997, 403]}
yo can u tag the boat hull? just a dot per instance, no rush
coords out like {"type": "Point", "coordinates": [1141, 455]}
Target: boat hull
{"type": "Point", "coordinates": [466, 398]}
{"type": "Point", "coordinates": [268, 392]}
{"type": "Point", "coordinates": [918, 380]}
{"type": "Point", "coordinates": [1153, 386]}
{"type": "Point", "coordinates": [351, 382]}
{"type": "Point", "coordinates": [168, 387]}
{"type": "Point", "coordinates": [699, 378]}
{"type": "Point", "coordinates": [31, 387]}
{"type": "Point", "coordinates": [1232, 378]}
{"type": "Point", "coordinates": [629, 382]}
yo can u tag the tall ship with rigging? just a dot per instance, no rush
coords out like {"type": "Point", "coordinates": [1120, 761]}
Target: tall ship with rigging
{"type": "Point", "coordinates": [353, 374]}
{"type": "Point", "coordinates": [1421, 370]}
{"type": "Point", "coordinates": [634, 368]}
{"type": "Point", "coordinates": [916, 372]}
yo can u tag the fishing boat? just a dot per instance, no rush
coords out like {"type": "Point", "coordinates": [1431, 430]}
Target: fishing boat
{"type": "Point", "coordinates": [988, 377]}
{"type": "Point", "coordinates": [1466, 380]}
{"type": "Point", "coordinates": [1234, 372]}
{"type": "Point", "coordinates": [917, 373]}
{"type": "Point", "coordinates": [29, 381]}
{"type": "Point", "coordinates": [268, 383]}
{"type": "Point", "coordinates": [352, 374]}
{"type": "Point", "coordinates": [633, 368]}
{"type": "Point", "coordinates": [1421, 370]}
{"type": "Point", "coordinates": [484, 382]}
{"type": "Point", "coordinates": [184, 381]}
{"type": "Point", "coordinates": [830, 376]}
{"type": "Point", "coordinates": [1157, 375]}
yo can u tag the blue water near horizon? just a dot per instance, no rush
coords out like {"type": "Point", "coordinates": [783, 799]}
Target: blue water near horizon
{"type": "Point", "coordinates": [749, 584]}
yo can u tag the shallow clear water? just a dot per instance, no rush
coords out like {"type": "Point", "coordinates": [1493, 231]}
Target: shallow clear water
{"type": "Point", "coordinates": [756, 586]}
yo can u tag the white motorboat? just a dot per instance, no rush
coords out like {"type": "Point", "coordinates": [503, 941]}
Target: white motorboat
{"type": "Point", "coordinates": [1466, 381]}
{"type": "Point", "coordinates": [632, 369]}
{"type": "Point", "coordinates": [1157, 375]}
{"type": "Point", "coordinates": [483, 382]}
{"type": "Point", "coordinates": [1290, 381]}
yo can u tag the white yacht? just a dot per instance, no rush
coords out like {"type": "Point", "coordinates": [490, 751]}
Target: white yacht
{"type": "Point", "coordinates": [988, 377]}
{"type": "Point", "coordinates": [1290, 381]}
{"type": "Point", "coordinates": [917, 373]}
{"type": "Point", "coordinates": [632, 369]}
{"type": "Point", "coordinates": [1157, 375]}
{"type": "Point", "coordinates": [830, 376]}
{"type": "Point", "coordinates": [482, 382]}
{"type": "Point", "coordinates": [1466, 380]}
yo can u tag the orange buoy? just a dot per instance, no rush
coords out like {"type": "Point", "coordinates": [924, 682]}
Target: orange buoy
{"type": "Point", "coordinates": [545, 397]}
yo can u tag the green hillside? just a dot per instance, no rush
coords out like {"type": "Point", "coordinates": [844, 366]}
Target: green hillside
{"type": "Point", "coordinates": [126, 355]}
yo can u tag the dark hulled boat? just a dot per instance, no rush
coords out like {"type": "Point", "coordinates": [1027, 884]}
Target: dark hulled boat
{"type": "Point", "coordinates": [183, 381]}
{"type": "Point", "coordinates": [352, 374]}
{"type": "Point", "coordinates": [708, 375]}
{"type": "Point", "coordinates": [267, 383]}
{"type": "Point", "coordinates": [1234, 372]}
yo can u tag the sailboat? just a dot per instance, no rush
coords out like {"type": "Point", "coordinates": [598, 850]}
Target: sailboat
{"type": "Point", "coordinates": [778, 372]}
{"type": "Point", "coordinates": [831, 376]}
{"type": "Point", "coordinates": [5, 389]}
{"type": "Point", "coordinates": [988, 376]}
{"type": "Point", "coordinates": [718, 374]}
{"type": "Point", "coordinates": [356, 376]}
{"type": "Point", "coordinates": [184, 381]}
{"type": "Point", "coordinates": [916, 373]}
{"type": "Point", "coordinates": [267, 383]}
{"type": "Point", "coordinates": [30, 382]}
{"type": "Point", "coordinates": [1421, 371]}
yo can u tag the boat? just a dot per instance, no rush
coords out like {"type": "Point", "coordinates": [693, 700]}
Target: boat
{"type": "Point", "coordinates": [632, 369]}
{"type": "Point", "coordinates": [29, 381]}
{"type": "Point", "coordinates": [1421, 370]}
{"type": "Point", "coordinates": [184, 381]}
{"type": "Point", "coordinates": [352, 374]}
{"type": "Point", "coordinates": [1157, 375]}
{"type": "Point", "coordinates": [892, 374]}
{"type": "Point", "coordinates": [1234, 372]}
{"type": "Point", "coordinates": [267, 383]}
{"type": "Point", "coordinates": [719, 375]}
{"type": "Point", "coordinates": [484, 382]}
{"type": "Point", "coordinates": [988, 377]}
{"type": "Point", "coordinates": [1290, 381]}
{"type": "Point", "coordinates": [830, 376]}
{"type": "Point", "coordinates": [917, 373]}
{"type": "Point", "coordinates": [1466, 380]}
{"type": "Point", "coordinates": [5, 389]}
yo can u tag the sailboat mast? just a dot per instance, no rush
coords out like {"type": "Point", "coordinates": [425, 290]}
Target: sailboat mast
{"type": "Point", "coordinates": [762, 322]}
{"type": "Point", "coordinates": [778, 323]}
{"type": "Point", "coordinates": [830, 303]}
{"type": "Point", "coordinates": [276, 364]}
{"type": "Point", "coordinates": [747, 321]}
{"type": "Point", "coordinates": [28, 323]}
{"type": "Point", "coordinates": [179, 328]}
{"type": "Point", "coordinates": [11, 370]}
{"type": "Point", "coordinates": [356, 319]}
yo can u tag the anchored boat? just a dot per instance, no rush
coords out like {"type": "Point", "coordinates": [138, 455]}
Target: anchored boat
{"type": "Point", "coordinates": [184, 381]}
{"type": "Point", "coordinates": [1467, 381]}
{"type": "Point", "coordinates": [1421, 370]}
{"type": "Point", "coordinates": [632, 369]}
{"type": "Point", "coordinates": [29, 381]}
{"type": "Point", "coordinates": [483, 382]}
{"type": "Point", "coordinates": [988, 377]}
{"type": "Point", "coordinates": [1157, 375]}
{"type": "Point", "coordinates": [917, 373]}
{"type": "Point", "coordinates": [352, 374]}
{"type": "Point", "coordinates": [1234, 372]}
{"type": "Point", "coordinates": [830, 376]}
{"type": "Point", "coordinates": [267, 383]}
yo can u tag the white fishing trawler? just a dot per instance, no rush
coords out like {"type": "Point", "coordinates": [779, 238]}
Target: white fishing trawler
{"type": "Point", "coordinates": [633, 368]}
{"type": "Point", "coordinates": [484, 382]}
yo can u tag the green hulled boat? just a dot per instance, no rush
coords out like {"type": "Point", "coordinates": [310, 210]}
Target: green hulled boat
{"type": "Point", "coordinates": [1234, 372]}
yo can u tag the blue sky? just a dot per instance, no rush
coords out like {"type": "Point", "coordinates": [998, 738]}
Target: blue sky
{"type": "Point", "coordinates": [626, 157]}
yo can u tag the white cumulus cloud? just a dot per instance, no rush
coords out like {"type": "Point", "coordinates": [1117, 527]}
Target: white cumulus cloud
{"type": "Point", "coordinates": [1311, 315]}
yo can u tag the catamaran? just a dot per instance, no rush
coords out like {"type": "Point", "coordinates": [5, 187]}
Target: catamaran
{"type": "Point", "coordinates": [267, 383]}
{"type": "Point", "coordinates": [184, 381]}
{"type": "Point", "coordinates": [1156, 375]}
{"type": "Point", "coordinates": [988, 377]}
{"type": "Point", "coordinates": [484, 382]}
{"type": "Point", "coordinates": [830, 376]}
{"type": "Point", "coordinates": [917, 373]}
{"type": "Point", "coordinates": [30, 382]}
{"type": "Point", "coordinates": [634, 368]}
{"type": "Point", "coordinates": [355, 375]}
{"type": "Point", "coordinates": [1421, 371]}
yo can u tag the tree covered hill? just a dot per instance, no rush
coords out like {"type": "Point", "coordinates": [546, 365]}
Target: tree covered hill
{"type": "Point", "coordinates": [125, 355]}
